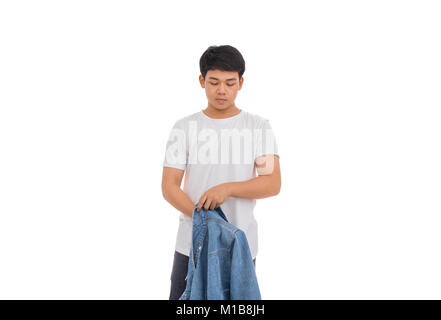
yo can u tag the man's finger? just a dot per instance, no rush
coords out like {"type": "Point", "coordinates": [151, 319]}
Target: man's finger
{"type": "Point", "coordinates": [201, 202]}
{"type": "Point", "coordinates": [207, 204]}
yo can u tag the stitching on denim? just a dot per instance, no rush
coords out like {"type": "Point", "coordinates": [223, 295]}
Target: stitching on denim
{"type": "Point", "coordinates": [214, 253]}
{"type": "Point", "coordinates": [223, 224]}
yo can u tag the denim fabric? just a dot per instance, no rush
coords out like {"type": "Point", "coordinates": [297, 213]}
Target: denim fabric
{"type": "Point", "coordinates": [220, 265]}
{"type": "Point", "coordinates": [179, 274]}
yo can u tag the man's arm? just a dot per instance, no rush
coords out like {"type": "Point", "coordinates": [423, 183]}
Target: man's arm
{"type": "Point", "coordinates": [266, 184]}
{"type": "Point", "coordinates": [172, 192]}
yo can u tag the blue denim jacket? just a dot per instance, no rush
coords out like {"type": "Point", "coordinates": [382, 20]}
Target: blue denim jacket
{"type": "Point", "coordinates": [220, 265]}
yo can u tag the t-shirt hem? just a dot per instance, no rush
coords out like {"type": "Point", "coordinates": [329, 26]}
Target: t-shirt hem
{"type": "Point", "coordinates": [175, 166]}
{"type": "Point", "coordinates": [185, 254]}
{"type": "Point", "coordinates": [181, 252]}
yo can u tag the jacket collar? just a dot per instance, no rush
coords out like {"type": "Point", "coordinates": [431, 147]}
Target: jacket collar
{"type": "Point", "coordinates": [202, 215]}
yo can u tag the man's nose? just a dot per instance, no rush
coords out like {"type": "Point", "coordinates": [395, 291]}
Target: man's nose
{"type": "Point", "coordinates": [221, 88]}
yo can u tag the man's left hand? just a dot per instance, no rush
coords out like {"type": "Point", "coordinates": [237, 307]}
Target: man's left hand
{"type": "Point", "coordinates": [214, 197]}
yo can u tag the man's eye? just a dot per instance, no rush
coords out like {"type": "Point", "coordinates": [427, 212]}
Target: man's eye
{"type": "Point", "coordinates": [214, 84]}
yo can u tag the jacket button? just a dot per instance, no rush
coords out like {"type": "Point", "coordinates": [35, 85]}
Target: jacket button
{"type": "Point", "coordinates": [200, 248]}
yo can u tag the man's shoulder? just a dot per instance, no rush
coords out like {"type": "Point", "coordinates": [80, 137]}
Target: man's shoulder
{"type": "Point", "coordinates": [183, 121]}
{"type": "Point", "coordinates": [255, 119]}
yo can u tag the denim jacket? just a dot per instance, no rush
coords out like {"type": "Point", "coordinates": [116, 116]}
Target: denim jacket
{"type": "Point", "coordinates": [220, 265]}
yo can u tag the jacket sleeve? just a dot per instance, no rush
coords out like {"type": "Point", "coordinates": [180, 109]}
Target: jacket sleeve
{"type": "Point", "coordinates": [243, 280]}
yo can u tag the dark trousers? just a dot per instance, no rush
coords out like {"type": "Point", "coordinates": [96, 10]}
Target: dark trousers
{"type": "Point", "coordinates": [179, 272]}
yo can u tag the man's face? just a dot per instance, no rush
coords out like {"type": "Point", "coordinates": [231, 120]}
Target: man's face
{"type": "Point", "coordinates": [221, 87]}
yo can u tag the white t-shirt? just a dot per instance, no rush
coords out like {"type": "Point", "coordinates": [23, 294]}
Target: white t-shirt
{"type": "Point", "coordinates": [215, 151]}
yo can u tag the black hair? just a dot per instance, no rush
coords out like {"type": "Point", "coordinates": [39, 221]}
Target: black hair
{"type": "Point", "coordinates": [224, 58]}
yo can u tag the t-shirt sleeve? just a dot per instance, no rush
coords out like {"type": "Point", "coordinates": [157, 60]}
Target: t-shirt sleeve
{"type": "Point", "coordinates": [265, 141]}
{"type": "Point", "coordinates": [176, 152]}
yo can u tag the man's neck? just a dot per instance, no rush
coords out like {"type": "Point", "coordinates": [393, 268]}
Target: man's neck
{"type": "Point", "coordinates": [221, 114]}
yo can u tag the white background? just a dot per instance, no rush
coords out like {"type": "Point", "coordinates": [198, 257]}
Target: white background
{"type": "Point", "coordinates": [89, 91]}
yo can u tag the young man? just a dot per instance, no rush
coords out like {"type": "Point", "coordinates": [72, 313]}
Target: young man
{"type": "Point", "coordinates": [199, 145]}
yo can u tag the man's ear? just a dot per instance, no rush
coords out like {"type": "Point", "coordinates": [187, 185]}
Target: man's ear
{"type": "Point", "coordinates": [240, 83]}
{"type": "Point", "coordinates": [202, 81]}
